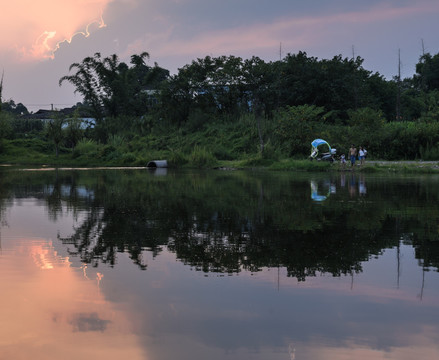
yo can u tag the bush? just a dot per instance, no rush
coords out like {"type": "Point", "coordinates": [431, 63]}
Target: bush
{"type": "Point", "coordinates": [366, 119]}
{"type": "Point", "coordinates": [202, 158]}
{"type": "Point", "coordinates": [177, 159]}
{"type": "Point", "coordinates": [86, 147]}
{"type": "Point", "coordinates": [106, 150]}
{"type": "Point", "coordinates": [116, 141]}
{"type": "Point", "coordinates": [128, 159]}
{"type": "Point", "coordinates": [296, 128]}
{"type": "Point", "coordinates": [5, 125]}
{"type": "Point", "coordinates": [222, 153]}
{"type": "Point", "coordinates": [429, 152]}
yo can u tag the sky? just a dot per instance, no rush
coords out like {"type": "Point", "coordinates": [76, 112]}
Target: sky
{"type": "Point", "coordinates": [39, 40]}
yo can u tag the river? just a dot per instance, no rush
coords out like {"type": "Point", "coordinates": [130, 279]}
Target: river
{"type": "Point", "coordinates": [185, 264]}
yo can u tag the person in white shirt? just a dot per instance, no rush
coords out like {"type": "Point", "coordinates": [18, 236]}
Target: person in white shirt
{"type": "Point", "coordinates": [362, 155]}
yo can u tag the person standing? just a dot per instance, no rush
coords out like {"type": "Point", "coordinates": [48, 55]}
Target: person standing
{"type": "Point", "coordinates": [343, 161]}
{"type": "Point", "coordinates": [361, 155]}
{"type": "Point", "coordinates": [352, 154]}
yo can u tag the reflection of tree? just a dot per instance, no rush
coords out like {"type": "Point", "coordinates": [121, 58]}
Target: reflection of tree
{"type": "Point", "coordinates": [228, 222]}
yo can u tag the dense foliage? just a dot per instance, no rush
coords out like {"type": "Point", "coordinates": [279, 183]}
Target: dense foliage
{"type": "Point", "coordinates": [232, 108]}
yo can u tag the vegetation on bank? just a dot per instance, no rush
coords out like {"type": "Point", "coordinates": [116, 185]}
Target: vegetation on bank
{"type": "Point", "coordinates": [215, 145]}
{"type": "Point", "coordinates": [229, 112]}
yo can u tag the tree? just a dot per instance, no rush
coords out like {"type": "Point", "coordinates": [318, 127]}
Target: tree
{"type": "Point", "coordinates": [111, 88]}
{"type": "Point", "coordinates": [215, 86]}
{"type": "Point", "coordinates": [88, 83]}
{"type": "Point", "coordinates": [260, 93]}
{"type": "Point", "coordinates": [17, 109]}
{"type": "Point", "coordinates": [298, 80]}
{"type": "Point", "coordinates": [427, 72]}
{"type": "Point", "coordinates": [296, 127]}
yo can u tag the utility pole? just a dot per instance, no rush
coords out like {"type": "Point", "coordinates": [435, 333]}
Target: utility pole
{"type": "Point", "coordinates": [1, 90]}
{"type": "Point", "coordinates": [398, 93]}
{"type": "Point", "coordinates": [355, 82]}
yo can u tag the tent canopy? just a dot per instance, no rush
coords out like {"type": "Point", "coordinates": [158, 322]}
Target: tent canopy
{"type": "Point", "coordinates": [318, 142]}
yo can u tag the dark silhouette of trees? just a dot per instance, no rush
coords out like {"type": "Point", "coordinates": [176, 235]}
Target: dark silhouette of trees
{"type": "Point", "coordinates": [112, 88]}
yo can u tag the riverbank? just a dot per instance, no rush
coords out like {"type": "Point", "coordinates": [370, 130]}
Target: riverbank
{"type": "Point", "coordinates": [90, 154]}
{"type": "Point", "coordinates": [403, 166]}
{"type": "Point", "coordinates": [305, 165]}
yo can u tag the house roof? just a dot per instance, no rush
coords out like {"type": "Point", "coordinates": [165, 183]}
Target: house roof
{"type": "Point", "coordinates": [44, 114]}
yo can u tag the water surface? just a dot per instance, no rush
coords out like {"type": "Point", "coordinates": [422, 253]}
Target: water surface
{"type": "Point", "coordinates": [159, 265]}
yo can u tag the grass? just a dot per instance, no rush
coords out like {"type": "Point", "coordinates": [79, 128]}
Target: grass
{"type": "Point", "coordinates": [138, 151]}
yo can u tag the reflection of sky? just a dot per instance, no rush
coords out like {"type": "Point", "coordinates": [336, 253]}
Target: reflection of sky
{"type": "Point", "coordinates": [235, 316]}
{"type": "Point", "coordinates": [48, 310]}
{"type": "Point", "coordinates": [173, 312]}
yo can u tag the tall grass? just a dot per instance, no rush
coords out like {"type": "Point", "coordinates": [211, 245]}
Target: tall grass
{"type": "Point", "coordinates": [200, 157]}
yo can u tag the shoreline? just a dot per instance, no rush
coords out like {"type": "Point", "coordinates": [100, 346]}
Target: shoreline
{"type": "Point", "coordinates": [371, 166]}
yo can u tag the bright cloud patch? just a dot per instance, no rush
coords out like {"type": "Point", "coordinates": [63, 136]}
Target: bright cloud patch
{"type": "Point", "coordinates": [34, 29]}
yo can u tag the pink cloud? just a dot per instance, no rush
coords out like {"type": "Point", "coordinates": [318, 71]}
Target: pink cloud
{"type": "Point", "coordinates": [33, 30]}
{"type": "Point", "coordinates": [294, 32]}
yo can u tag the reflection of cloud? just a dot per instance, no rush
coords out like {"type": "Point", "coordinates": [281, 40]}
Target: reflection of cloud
{"type": "Point", "coordinates": [88, 322]}
{"type": "Point", "coordinates": [422, 346]}
{"type": "Point", "coordinates": [45, 256]}
{"type": "Point", "coordinates": [60, 310]}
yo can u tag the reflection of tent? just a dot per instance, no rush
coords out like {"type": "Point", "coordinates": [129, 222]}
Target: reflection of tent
{"type": "Point", "coordinates": [315, 144]}
{"type": "Point", "coordinates": [314, 192]}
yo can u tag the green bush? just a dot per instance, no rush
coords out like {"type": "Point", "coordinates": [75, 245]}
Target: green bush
{"type": "Point", "coordinates": [296, 128]}
{"type": "Point", "coordinates": [177, 159]}
{"type": "Point", "coordinates": [202, 158]}
{"type": "Point", "coordinates": [86, 147]}
{"type": "Point", "coordinates": [128, 159]}
{"type": "Point", "coordinates": [116, 140]}
{"type": "Point", "coordinates": [366, 119]}
{"type": "Point", "coordinates": [429, 152]}
{"type": "Point", "coordinates": [221, 152]}
{"type": "Point", "coordinates": [5, 125]}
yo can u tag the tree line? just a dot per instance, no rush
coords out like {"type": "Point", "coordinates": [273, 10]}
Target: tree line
{"type": "Point", "coordinates": [229, 85]}
{"type": "Point", "coordinates": [289, 101]}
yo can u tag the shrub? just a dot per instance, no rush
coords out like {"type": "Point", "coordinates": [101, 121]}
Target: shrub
{"type": "Point", "coordinates": [366, 118]}
{"type": "Point", "coordinates": [202, 158]}
{"type": "Point", "coordinates": [295, 128]}
{"type": "Point", "coordinates": [86, 147]}
{"type": "Point", "coordinates": [116, 140]}
{"type": "Point", "coordinates": [429, 152]}
{"type": "Point", "coordinates": [128, 159]}
{"type": "Point", "coordinates": [177, 159]}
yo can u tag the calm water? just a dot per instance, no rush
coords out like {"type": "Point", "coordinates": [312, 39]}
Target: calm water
{"type": "Point", "coordinates": [133, 264]}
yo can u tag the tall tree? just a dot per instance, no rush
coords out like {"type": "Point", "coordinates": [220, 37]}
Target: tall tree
{"type": "Point", "coordinates": [111, 88]}
{"type": "Point", "coordinates": [88, 82]}
{"type": "Point", "coordinates": [427, 72]}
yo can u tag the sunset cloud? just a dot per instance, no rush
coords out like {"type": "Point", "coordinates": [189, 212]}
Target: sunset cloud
{"type": "Point", "coordinates": [33, 30]}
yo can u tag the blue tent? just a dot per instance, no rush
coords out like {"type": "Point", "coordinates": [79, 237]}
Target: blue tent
{"type": "Point", "coordinates": [316, 143]}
